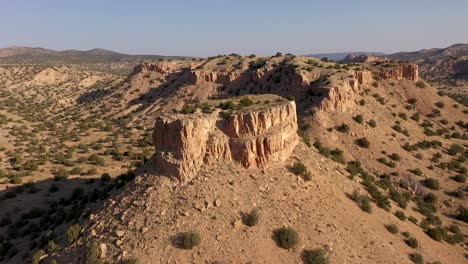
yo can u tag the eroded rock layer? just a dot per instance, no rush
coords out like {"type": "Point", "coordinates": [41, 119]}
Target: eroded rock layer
{"type": "Point", "coordinates": [252, 137]}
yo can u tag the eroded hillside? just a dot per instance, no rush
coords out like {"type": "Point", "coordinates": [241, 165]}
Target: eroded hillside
{"type": "Point", "coordinates": [379, 146]}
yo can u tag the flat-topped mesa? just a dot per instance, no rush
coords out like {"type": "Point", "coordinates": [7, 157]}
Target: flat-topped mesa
{"type": "Point", "coordinates": [407, 70]}
{"type": "Point", "coordinates": [253, 137]}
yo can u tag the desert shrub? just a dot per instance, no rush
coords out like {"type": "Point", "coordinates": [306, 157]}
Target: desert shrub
{"type": "Point", "coordinates": [343, 128]}
{"type": "Point", "coordinates": [416, 171]}
{"type": "Point", "coordinates": [440, 104]}
{"type": "Point", "coordinates": [315, 256]}
{"type": "Point", "coordinates": [420, 84]}
{"type": "Point", "coordinates": [358, 118]}
{"type": "Point", "coordinates": [380, 199]}
{"type": "Point", "coordinates": [190, 240]}
{"type": "Point", "coordinates": [363, 142]}
{"type": "Point", "coordinates": [362, 200]}
{"type": "Point", "coordinates": [412, 100]}
{"type": "Point", "coordinates": [416, 258]}
{"type": "Point", "coordinates": [252, 218]}
{"type": "Point", "coordinates": [362, 102]}
{"type": "Point", "coordinates": [36, 258]}
{"type": "Point", "coordinates": [463, 214]}
{"type": "Point", "coordinates": [372, 123]}
{"type": "Point", "coordinates": [246, 101]}
{"type": "Point", "coordinates": [412, 242]}
{"type": "Point", "coordinates": [459, 178]}
{"type": "Point", "coordinates": [415, 117]}
{"type": "Point", "coordinates": [92, 255]}
{"type": "Point", "coordinates": [412, 219]}
{"type": "Point", "coordinates": [436, 233]}
{"type": "Point", "coordinates": [455, 149]}
{"type": "Point", "coordinates": [400, 198]}
{"type": "Point", "coordinates": [299, 168]}
{"type": "Point", "coordinates": [227, 105]}
{"type": "Point", "coordinates": [401, 215]}
{"type": "Point", "coordinates": [206, 108]}
{"type": "Point", "coordinates": [73, 233]}
{"type": "Point", "coordinates": [51, 246]}
{"type": "Point", "coordinates": [291, 98]}
{"type": "Point", "coordinates": [286, 237]}
{"type": "Point", "coordinates": [432, 183]}
{"type": "Point", "coordinates": [392, 228]}
{"type": "Point", "coordinates": [456, 236]}
{"type": "Point", "coordinates": [188, 109]}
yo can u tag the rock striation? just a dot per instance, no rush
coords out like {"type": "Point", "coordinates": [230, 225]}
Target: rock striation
{"type": "Point", "coordinates": [252, 137]}
{"type": "Point", "coordinates": [408, 71]}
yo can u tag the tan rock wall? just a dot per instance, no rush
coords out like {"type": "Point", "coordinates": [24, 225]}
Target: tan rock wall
{"type": "Point", "coordinates": [254, 138]}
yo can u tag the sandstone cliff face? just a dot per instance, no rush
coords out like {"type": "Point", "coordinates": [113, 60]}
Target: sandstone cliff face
{"type": "Point", "coordinates": [252, 138]}
{"type": "Point", "coordinates": [398, 72]}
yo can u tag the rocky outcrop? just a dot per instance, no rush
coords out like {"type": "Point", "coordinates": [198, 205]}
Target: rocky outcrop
{"type": "Point", "coordinates": [363, 77]}
{"type": "Point", "coordinates": [252, 137]}
{"type": "Point", "coordinates": [199, 77]}
{"type": "Point", "coordinates": [163, 68]}
{"type": "Point", "coordinates": [408, 71]}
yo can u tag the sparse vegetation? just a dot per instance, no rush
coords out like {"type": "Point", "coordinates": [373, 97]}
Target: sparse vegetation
{"type": "Point", "coordinates": [252, 218]}
{"type": "Point", "coordinates": [286, 237]}
{"type": "Point", "coordinates": [189, 240]}
{"type": "Point", "coordinates": [315, 256]}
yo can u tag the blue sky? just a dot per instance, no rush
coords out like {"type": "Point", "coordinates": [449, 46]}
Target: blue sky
{"type": "Point", "coordinates": [204, 28]}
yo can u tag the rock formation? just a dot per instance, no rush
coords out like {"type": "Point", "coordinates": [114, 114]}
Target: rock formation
{"type": "Point", "coordinates": [253, 137]}
{"type": "Point", "coordinates": [408, 71]}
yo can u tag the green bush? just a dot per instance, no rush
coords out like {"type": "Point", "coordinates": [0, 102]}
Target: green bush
{"type": "Point", "coordinates": [343, 128]}
{"type": "Point", "coordinates": [228, 105]}
{"type": "Point", "coordinates": [440, 104]}
{"type": "Point", "coordinates": [286, 237]}
{"type": "Point", "coordinates": [412, 242]}
{"type": "Point", "coordinates": [315, 256]}
{"type": "Point", "coordinates": [392, 228]}
{"type": "Point", "coordinates": [416, 258]}
{"type": "Point", "coordinates": [36, 258]}
{"type": "Point", "coordinates": [299, 168]}
{"type": "Point", "coordinates": [413, 219]}
{"type": "Point", "coordinates": [420, 84]}
{"type": "Point", "coordinates": [188, 109]}
{"type": "Point", "coordinates": [190, 240]}
{"type": "Point", "coordinates": [401, 215]}
{"type": "Point", "coordinates": [455, 149]}
{"type": "Point", "coordinates": [362, 200]}
{"type": "Point", "coordinates": [73, 233]}
{"type": "Point", "coordinates": [459, 178]}
{"type": "Point", "coordinates": [363, 142]}
{"type": "Point", "coordinates": [246, 101]}
{"type": "Point", "coordinates": [252, 218]}
{"type": "Point", "coordinates": [372, 123]}
{"type": "Point", "coordinates": [432, 183]}
{"type": "Point", "coordinates": [92, 255]}
{"type": "Point", "coordinates": [463, 214]}
{"type": "Point", "coordinates": [358, 118]}
{"type": "Point", "coordinates": [436, 233]}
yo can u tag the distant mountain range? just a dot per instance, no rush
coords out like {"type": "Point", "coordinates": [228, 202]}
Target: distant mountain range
{"type": "Point", "coordinates": [41, 55]}
{"type": "Point", "coordinates": [454, 51]}
{"type": "Point", "coordinates": [341, 55]}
